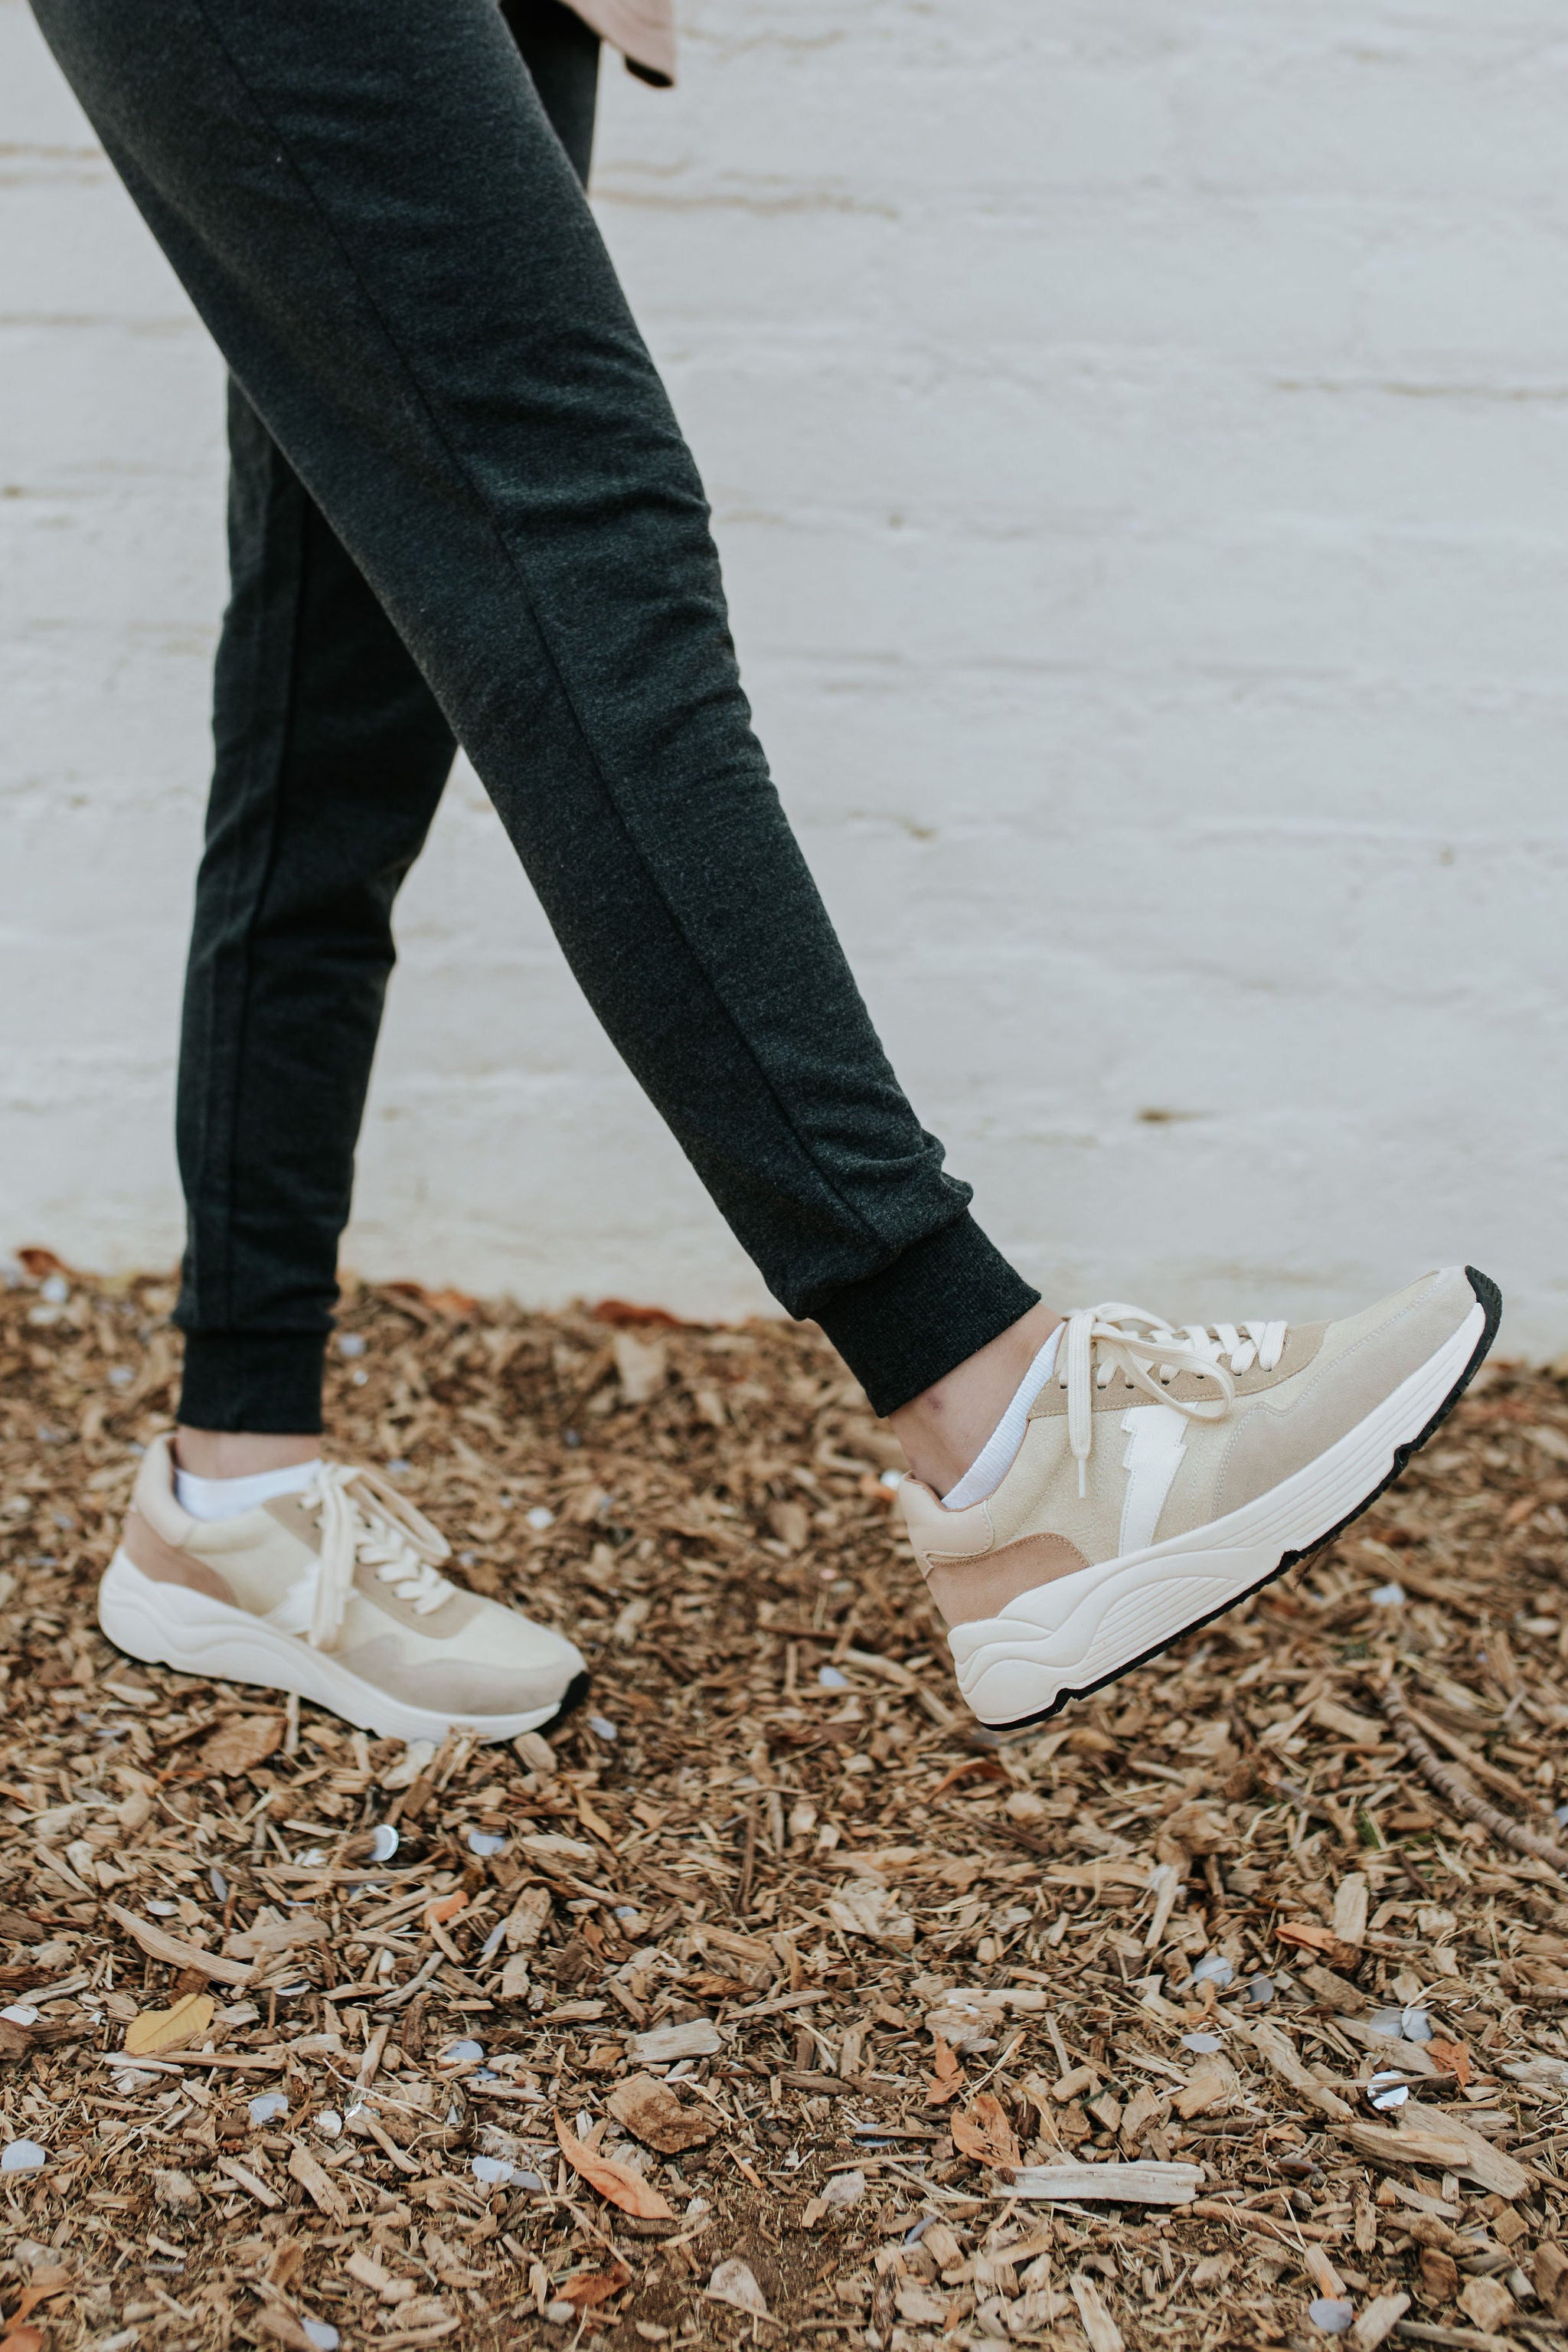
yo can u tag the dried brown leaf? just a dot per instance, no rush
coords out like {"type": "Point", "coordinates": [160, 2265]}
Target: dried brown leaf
{"type": "Point", "coordinates": [616, 2181]}
{"type": "Point", "coordinates": [588, 2289]}
{"type": "Point", "coordinates": [947, 2077]}
{"type": "Point", "coordinates": [984, 2132]}
{"type": "Point", "coordinates": [169, 2029]}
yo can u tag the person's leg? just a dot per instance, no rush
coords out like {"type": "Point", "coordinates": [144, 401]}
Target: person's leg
{"type": "Point", "coordinates": [331, 756]}
{"type": "Point", "coordinates": [945, 1428]}
{"type": "Point", "coordinates": [562, 54]}
{"type": "Point", "coordinates": [367, 206]}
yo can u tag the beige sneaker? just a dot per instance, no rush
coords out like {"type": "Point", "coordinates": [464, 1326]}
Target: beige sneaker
{"type": "Point", "coordinates": [1164, 1475]}
{"type": "Point", "coordinates": [335, 1593]}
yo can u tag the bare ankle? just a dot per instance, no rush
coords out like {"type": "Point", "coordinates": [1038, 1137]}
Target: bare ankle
{"type": "Point", "coordinates": [945, 1428]}
{"type": "Point", "coordinates": [239, 1453]}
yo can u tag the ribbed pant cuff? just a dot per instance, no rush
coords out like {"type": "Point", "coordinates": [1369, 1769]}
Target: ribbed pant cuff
{"type": "Point", "coordinates": [263, 1380]}
{"type": "Point", "coordinates": [943, 1299]}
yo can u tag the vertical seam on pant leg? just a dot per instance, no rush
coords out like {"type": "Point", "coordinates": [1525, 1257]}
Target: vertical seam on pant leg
{"type": "Point", "coordinates": [514, 564]}
{"type": "Point", "coordinates": [271, 628]}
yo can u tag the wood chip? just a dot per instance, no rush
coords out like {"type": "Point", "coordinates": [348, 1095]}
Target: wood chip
{"type": "Point", "coordinates": [1121, 2184]}
{"type": "Point", "coordinates": [1103, 2334]}
{"type": "Point", "coordinates": [1376, 2320]}
{"type": "Point", "coordinates": [248, 2182]}
{"type": "Point", "coordinates": [654, 2113]}
{"type": "Point", "coordinates": [243, 1743]}
{"type": "Point", "coordinates": [161, 1946]}
{"type": "Point", "coordinates": [1444, 2144]}
{"type": "Point", "coordinates": [317, 2182]}
{"type": "Point", "coordinates": [1277, 2052]}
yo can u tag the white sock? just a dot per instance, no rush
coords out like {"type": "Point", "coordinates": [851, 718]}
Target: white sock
{"type": "Point", "coordinates": [226, 1498]}
{"type": "Point", "coordinates": [990, 1465]}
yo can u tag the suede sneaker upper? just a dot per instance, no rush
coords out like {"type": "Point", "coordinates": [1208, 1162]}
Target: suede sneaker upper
{"type": "Point", "coordinates": [1228, 1448]}
{"type": "Point", "coordinates": [336, 1589]}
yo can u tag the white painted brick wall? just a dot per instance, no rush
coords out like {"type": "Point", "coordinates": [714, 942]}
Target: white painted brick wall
{"type": "Point", "coordinates": [1139, 442]}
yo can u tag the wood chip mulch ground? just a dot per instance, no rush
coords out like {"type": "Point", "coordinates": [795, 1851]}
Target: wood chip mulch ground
{"type": "Point", "coordinates": [767, 2002]}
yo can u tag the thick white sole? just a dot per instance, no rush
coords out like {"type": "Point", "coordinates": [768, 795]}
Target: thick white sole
{"type": "Point", "coordinates": [1062, 1640]}
{"type": "Point", "coordinates": [168, 1625]}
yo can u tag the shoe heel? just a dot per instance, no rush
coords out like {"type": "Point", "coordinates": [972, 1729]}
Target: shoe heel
{"type": "Point", "coordinates": [124, 1616]}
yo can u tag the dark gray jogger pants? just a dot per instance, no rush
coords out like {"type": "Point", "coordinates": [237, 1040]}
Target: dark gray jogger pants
{"type": "Point", "coordinates": [462, 511]}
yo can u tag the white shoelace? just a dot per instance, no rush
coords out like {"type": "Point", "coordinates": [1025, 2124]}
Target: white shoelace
{"type": "Point", "coordinates": [363, 1519]}
{"type": "Point", "coordinates": [1098, 1345]}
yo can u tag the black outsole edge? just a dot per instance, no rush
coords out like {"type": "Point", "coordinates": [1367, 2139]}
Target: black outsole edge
{"type": "Point", "coordinates": [1490, 1299]}
{"type": "Point", "coordinates": [576, 1691]}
